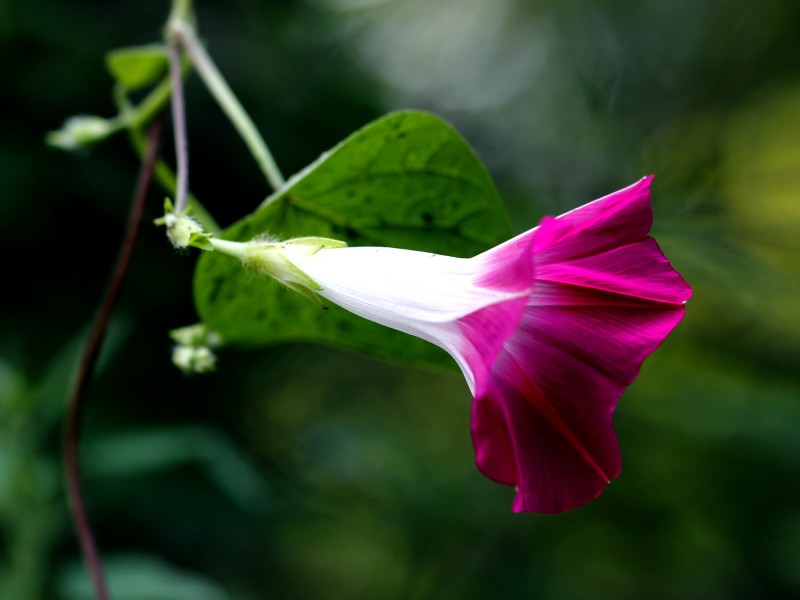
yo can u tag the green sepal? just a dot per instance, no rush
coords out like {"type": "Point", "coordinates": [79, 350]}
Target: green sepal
{"type": "Point", "coordinates": [202, 240]}
{"type": "Point", "coordinates": [317, 243]}
{"type": "Point", "coordinates": [271, 261]}
{"type": "Point", "coordinates": [168, 210]}
{"type": "Point", "coordinates": [305, 292]}
{"type": "Point", "coordinates": [183, 230]}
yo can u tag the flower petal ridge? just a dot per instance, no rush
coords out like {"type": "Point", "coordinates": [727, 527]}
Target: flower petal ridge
{"type": "Point", "coordinates": [604, 298]}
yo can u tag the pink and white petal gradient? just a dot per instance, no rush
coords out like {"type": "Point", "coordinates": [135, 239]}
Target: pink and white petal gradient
{"type": "Point", "coordinates": [604, 298]}
{"type": "Point", "coordinates": [468, 307]}
{"type": "Point", "coordinates": [548, 328]}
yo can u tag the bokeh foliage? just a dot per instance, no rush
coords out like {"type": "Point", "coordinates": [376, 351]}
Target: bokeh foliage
{"type": "Point", "coordinates": [305, 472]}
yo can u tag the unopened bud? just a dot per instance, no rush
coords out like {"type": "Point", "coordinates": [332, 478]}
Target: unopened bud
{"type": "Point", "coordinates": [81, 131]}
{"type": "Point", "coordinates": [193, 352]}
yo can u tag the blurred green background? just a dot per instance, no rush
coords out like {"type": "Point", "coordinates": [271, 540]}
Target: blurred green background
{"type": "Point", "coordinates": [308, 472]}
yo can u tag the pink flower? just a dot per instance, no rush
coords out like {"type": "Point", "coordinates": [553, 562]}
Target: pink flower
{"type": "Point", "coordinates": [604, 298]}
{"type": "Point", "coordinates": [548, 328]}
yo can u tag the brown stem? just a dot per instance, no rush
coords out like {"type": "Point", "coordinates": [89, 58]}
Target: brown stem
{"type": "Point", "coordinates": [88, 359]}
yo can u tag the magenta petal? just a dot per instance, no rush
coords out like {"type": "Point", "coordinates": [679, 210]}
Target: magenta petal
{"type": "Point", "coordinates": [614, 220]}
{"type": "Point", "coordinates": [564, 447]}
{"type": "Point", "coordinates": [638, 269]}
{"type": "Point", "coordinates": [486, 331]}
{"type": "Point", "coordinates": [494, 449]}
{"type": "Point", "coordinates": [605, 298]}
{"type": "Point", "coordinates": [507, 268]}
{"type": "Point", "coordinates": [568, 367]}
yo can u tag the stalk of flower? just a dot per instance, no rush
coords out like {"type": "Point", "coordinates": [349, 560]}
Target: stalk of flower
{"type": "Point", "coordinates": [548, 329]}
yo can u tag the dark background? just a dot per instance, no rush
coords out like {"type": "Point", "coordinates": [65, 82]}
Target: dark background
{"type": "Point", "coordinates": [308, 472]}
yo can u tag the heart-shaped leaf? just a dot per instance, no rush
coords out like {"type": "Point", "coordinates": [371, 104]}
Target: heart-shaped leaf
{"type": "Point", "coordinates": [407, 180]}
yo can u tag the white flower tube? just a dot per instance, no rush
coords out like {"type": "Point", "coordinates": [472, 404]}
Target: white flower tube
{"type": "Point", "coordinates": [468, 307]}
{"type": "Point", "coordinates": [431, 296]}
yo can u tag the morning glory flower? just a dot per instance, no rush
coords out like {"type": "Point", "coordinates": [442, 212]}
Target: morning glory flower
{"type": "Point", "coordinates": [604, 298]}
{"type": "Point", "coordinates": [548, 328]}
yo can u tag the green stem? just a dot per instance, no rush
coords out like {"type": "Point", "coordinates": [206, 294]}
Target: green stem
{"type": "Point", "coordinates": [181, 10]}
{"type": "Point", "coordinates": [148, 108]}
{"type": "Point", "coordinates": [167, 179]}
{"type": "Point", "coordinates": [235, 249]}
{"type": "Point", "coordinates": [138, 116]}
{"type": "Point", "coordinates": [221, 91]}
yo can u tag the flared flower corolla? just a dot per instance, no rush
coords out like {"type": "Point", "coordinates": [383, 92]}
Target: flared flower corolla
{"type": "Point", "coordinates": [548, 328]}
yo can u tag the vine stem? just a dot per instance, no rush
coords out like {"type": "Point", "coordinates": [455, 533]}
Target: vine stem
{"type": "Point", "coordinates": [88, 359]}
{"type": "Point", "coordinates": [136, 118]}
{"type": "Point", "coordinates": [179, 124]}
{"type": "Point", "coordinates": [221, 91]}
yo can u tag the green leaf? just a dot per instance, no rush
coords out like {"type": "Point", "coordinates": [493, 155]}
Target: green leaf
{"type": "Point", "coordinates": [137, 66]}
{"type": "Point", "coordinates": [140, 577]}
{"type": "Point", "coordinates": [143, 453]}
{"type": "Point", "coordinates": [407, 180]}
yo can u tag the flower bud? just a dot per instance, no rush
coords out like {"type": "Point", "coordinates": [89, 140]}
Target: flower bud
{"type": "Point", "coordinates": [80, 132]}
{"type": "Point", "coordinates": [193, 352]}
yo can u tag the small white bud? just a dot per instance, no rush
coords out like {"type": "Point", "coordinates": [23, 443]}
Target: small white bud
{"type": "Point", "coordinates": [81, 131]}
{"type": "Point", "coordinates": [180, 228]}
{"type": "Point", "coordinates": [192, 360]}
{"type": "Point", "coordinates": [193, 352]}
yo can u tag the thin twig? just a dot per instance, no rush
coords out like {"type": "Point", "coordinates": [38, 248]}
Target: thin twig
{"type": "Point", "coordinates": [136, 118]}
{"type": "Point", "coordinates": [88, 359]}
{"type": "Point", "coordinates": [179, 124]}
{"type": "Point", "coordinates": [229, 103]}
{"type": "Point", "coordinates": [168, 181]}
